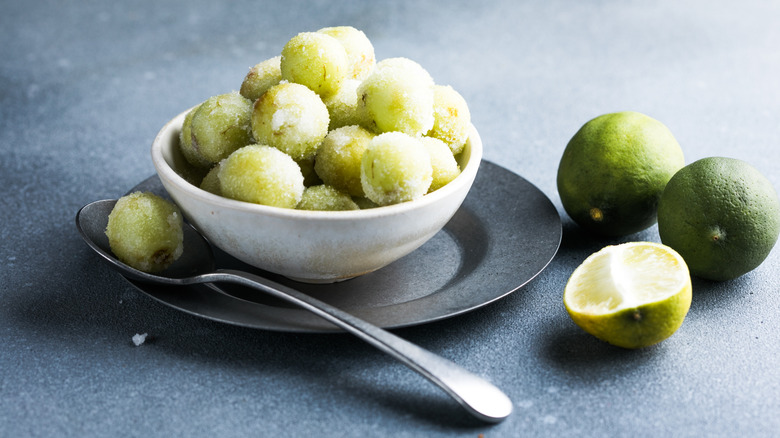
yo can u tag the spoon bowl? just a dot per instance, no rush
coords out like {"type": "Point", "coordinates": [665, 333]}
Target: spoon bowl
{"type": "Point", "coordinates": [196, 265]}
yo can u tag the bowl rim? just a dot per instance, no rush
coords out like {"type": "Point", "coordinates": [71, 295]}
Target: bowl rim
{"type": "Point", "coordinates": [166, 172]}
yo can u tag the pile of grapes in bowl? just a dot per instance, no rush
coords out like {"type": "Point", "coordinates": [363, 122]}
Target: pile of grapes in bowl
{"type": "Point", "coordinates": [327, 164]}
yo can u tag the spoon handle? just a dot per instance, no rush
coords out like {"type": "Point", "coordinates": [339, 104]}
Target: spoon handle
{"type": "Point", "coordinates": [481, 398]}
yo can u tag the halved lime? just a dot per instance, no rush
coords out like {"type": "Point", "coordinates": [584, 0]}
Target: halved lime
{"type": "Point", "coordinates": [631, 295]}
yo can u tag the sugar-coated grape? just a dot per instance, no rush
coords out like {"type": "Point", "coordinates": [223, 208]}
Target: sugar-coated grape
{"type": "Point", "coordinates": [210, 182]}
{"type": "Point", "coordinates": [291, 118]}
{"type": "Point", "coordinates": [310, 177]}
{"type": "Point", "coordinates": [315, 60]}
{"type": "Point", "coordinates": [326, 198]}
{"type": "Point", "coordinates": [263, 175]}
{"type": "Point", "coordinates": [445, 168]}
{"type": "Point", "coordinates": [185, 142]}
{"type": "Point", "coordinates": [398, 96]}
{"type": "Point", "coordinates": [261, 77]}
{"type": "Point", "coordinates": [221, 125]}
{"type": "Point", "coordinates": [343, 106]}
{"type": "Point", "coordinates": [451, 118]}
{"type": "Point", "coordinates": [364, 203]}
{"type": "Point", "coordinates": [395, 168]}
{"type": "Point", "coordinates": [360, 51]}
{"type": "Point", "coordinates": [145, 231]}
{"type": "Point", "coordinates": [339, 157]}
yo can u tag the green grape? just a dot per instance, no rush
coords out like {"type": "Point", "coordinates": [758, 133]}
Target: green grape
{"type": "Point", "coordinates": [291, 118]}
{"type": "Point", "coordinates": [339, 157]}
{"type": "Point", "coordinates": [210, 182]}
{"type": "Point", "coordinates": [360, 51]}
{"type": "Point", "coordinates": [145, 231]}
{"type": "Point", "coordinates": [451, 118]}
{"type": "Point", "coordinates": [315, 60]}
{"type": "Point", "coordinates": [221, 125]}
{"type": "Point", "coordinates": [398, 96]}
{"type": "Point", "coordinates": [262, 175]}
{"type": "Point", "coordinates": [310, 177]}
{"type": "Point", "coordinates": [261, 77]}
{"type": "Point", "coordinates": [185, 142]}
{"type": "Point", "coordinates": [343, 106]}
{"type": "Point", "coordinates": [364, 203]}
{"type": "Point", "coordinates": [445, 168]}
{"type": "Point", "coordinates": [326, 198]}
{"type": "Point", "coordinates": [395, 168]}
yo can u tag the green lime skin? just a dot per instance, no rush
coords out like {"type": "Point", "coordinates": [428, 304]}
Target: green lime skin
{"type": "Point", "coordinates": [722, 215]}
{"type": "Point", "coordinates": [613, 171]}
{"type": "Point", "coordinates": [640, 326]}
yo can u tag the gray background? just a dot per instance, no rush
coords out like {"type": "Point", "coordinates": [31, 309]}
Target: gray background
{"type": "Point", "coordinates": [85, 86]}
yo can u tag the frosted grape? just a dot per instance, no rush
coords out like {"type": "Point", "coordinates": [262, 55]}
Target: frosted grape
{"type": "Point", "coordinates": [145, 231]}
{"type": "Point", "coordinates": [364, 203]}
{"type": "Point", "coordinates": [221, 125]}
{"type": "Point", "coordinates": [185, 142]}
{"type": "Point", "coordinates": [343, 106]}
{"type": "Point", "coordinates": [339, 158]}
{"type": "Point", "coordinates": [451, 118]}
{"type": "Point", "coordinates": [263, 175]}
{"type": "Point", "coordinates": [210, 182]}
{"type": "Point", "coordinates": [310, 177]}
{"type": "Point", "coordinates": [395, 168]}
{"type": "Point", "coordinates": [398, 96]}
{"type": "Point", "coordinates": [315, 60]}
{"type": "Point", "coordinates": [326, 198]}
{"type": "Point", "coordinates": [291, 118]}
{"type": "Point", "coordinates": [445, 168]}
{"type": "Point", "coordinates": [360, 51]}
{"type": "Point", "coordinates": [261, 77]}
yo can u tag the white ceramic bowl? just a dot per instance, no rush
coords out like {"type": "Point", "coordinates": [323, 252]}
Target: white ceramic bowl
{"type": "Point", "coordinates": [311, 246]}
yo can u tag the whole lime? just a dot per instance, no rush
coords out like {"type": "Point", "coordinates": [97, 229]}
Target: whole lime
{"type": "Point", "coordinates": [614, 170]}
{"type": "Point", "coordinates": [722, 215]}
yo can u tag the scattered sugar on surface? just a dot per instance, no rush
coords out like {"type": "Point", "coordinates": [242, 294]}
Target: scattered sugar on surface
{"type": "Point", "coordinates": [139, 339]}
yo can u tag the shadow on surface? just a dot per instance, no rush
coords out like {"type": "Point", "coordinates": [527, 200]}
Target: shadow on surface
{"type": "Point", "coordinates": [577, 239]}
{"type": "Point", "coordinates": [578, 353]}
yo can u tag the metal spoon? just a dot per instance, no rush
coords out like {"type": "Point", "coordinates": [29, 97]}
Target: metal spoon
{"type": "Point", "coordinates": [478, 396]}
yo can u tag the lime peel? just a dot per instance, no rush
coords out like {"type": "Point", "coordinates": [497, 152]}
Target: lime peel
{"type": "Point", "coordinates": [722, 215]}
{"type": "Point", "coordinates": [613, 171]}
